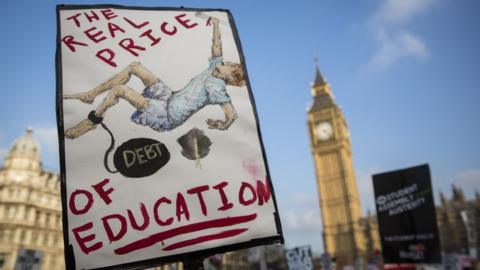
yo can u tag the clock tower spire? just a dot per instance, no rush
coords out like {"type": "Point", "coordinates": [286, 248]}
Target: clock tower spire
{"type": "Point", "coordinates": [319, 84]}
{"type": "Point", "coordinates": [335, 175]}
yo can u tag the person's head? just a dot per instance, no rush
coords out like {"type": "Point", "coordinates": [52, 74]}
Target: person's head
{"type": "Point", "coordinates": [231, 73]}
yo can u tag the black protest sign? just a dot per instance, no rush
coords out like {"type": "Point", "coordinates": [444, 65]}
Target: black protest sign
{"type": "Point", "coordinates": [406, 216]}
{"type": "Point", "coordinates": [161, 154]}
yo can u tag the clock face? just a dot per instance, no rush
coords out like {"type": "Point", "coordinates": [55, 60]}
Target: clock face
{"type": "Point", "coordinates": [324, 131]}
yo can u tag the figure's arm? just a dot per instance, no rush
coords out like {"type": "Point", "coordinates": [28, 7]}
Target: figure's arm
{"type": "Point", "coordinates": [230, 117]}
{"type": "Point", "coordinates": [216, 40]}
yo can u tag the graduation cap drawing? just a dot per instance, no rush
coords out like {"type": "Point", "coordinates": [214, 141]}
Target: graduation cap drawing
{"type": "Point", "coordinates": [195, 145]}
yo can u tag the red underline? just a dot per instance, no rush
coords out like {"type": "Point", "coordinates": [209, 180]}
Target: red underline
{"type": "Point", "coordinates": [205, 238]}
{"type": "Point", "coordinates": [161, 236]}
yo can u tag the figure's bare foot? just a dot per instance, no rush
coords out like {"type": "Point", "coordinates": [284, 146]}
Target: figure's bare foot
{"type": "Point", "coordinates": [80, 129]}
{"type": "Point", "coordinates": [84, 97]}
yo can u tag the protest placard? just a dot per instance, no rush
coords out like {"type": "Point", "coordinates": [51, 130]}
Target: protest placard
{"type": "Point", "coordinates": [299, 258]}
{"type": "Point", "coordinates": [406, 216]}
{"type": "Point", "coordinates": [160, 146]}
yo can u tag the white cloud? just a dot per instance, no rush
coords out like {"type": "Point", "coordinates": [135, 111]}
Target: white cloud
{"type": "Point", "coordinates": [3, 152]}
{"type": "Point", "coordinates": [397, 45]}
{"type": "Point", "coordinates": [401, 11]}
{"type": "Point", "coordinates": [394, 41]}
{"type": "Point", "coordinates": [48, 139]}
{"type": "Point", "coordinates": [303, 198]}
{"type": "Point", "coordinates": [304, 222]}
{"type": "Point", "coordinates": [3, 149]}
{"type": "Point", "coordinates": [468, 180]}
{"type": "Point", "coordinates": [302, 216]}
{"type": "Point", "coordinates": [291, 220]}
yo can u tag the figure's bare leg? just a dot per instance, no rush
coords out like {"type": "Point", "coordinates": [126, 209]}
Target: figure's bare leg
{"type": "Point", "coordinates": [135, 68]}
{"type": "Point", "coordinates": [125, 92]}
{"type": "Point", "coordinates": [114, 95]}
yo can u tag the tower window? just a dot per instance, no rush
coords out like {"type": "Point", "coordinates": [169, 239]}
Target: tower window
{"type": "Point", "coordinates": [45, 239]}
{"type": "Point", "coordinates": [53, 261]}
{"type": "Point", "coordinates": [11, 212]}
{"type": "Point", "coordinates": [23, 236]}
{"type": "Point", "coordinates": [47, 220]}
{"type": "Point", "coordinates": [59, 220]}
{"type": "Point", "coordinates": [25, 213]}
{"type": "Point", "coordinates": [8, 235]}
{"type": "Point", "coordinates": [35, 239]}
{"type": "Point", "coordinates": [55, 241]}
{"type": "Point", "coordinates": [3, 258]}
{"type": "Point", "coordinates": [37, 216]}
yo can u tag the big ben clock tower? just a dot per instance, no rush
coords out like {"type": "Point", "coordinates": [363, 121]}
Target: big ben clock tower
{"type": "Point", "coordinates": [337, 187]}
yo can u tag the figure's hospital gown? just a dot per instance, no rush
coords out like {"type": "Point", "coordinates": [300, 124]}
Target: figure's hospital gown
{"type": "Point", "coordinates": [167, 109]}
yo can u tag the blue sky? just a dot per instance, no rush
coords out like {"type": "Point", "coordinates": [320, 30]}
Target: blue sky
{"type": "Point", "coordinates": [405, 73]}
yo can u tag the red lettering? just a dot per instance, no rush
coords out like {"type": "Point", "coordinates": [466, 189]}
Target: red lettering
{"type": "Point", "coordinates": [130, 46]}
{"type": "Point", "coordinates": [182, 207]}
{"type": "Point", "coordinates": [108, 14]}
{"type": "Point", "coordinates": [158, 237]}
{"type": "Point", "coordinates": [75, 19]}
{"type": "Point", "coordinates": [83, 240]}
{"type": "Point", "coordinates": [113, 27]}
{"type": "Point", "coordinates": [225, 204]}
{"type": "Point", "coordinates": [108, 229]}
{"type": "Point", "coordinates": [155, 212]}
{"type": "Point", "coordinates": [73, 205]}
{"type": "Point", "coordinates": [172, 32]}
{"type": "Point", "coordinates": [198, 191]}
{"type": "Point", "coordinates": [205, 238]}
{"type": "Point", "coordinates": [138, 26]}
{"type": "Point", "coordinates": [92, 16]}
{"type": "Point", "coordinates": [95, 37]}
{"type": "Point", "coordinates": [263, 191]}
{"type": "Point", "coordinates": [146, 218]}
{"type": "Point", "coordinates": [69, 41]}
{"type": "Point", "coordinates": [241, 194]}
{"type": "Point", "coordinates": [102, 192]}
{"type": "Point", "coordinates": [148, 34]}
{"type": "Point", "coordinates": [184, 22]}
{"type": "Point", "coordinates": [110, 55]}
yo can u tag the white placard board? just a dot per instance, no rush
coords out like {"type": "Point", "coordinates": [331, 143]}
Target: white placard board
{"type": "Point", "coordinates": [299, 258]}
{"type": "Point", "coordinates": [161, 153]}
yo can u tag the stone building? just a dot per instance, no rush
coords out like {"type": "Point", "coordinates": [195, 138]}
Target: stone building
{"type": "Point", "coordinates": [452, 227]}
{"type": "Point", "coordinates": [371, 233]}
{"type": "Point", "coordinates": [30, 209]}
